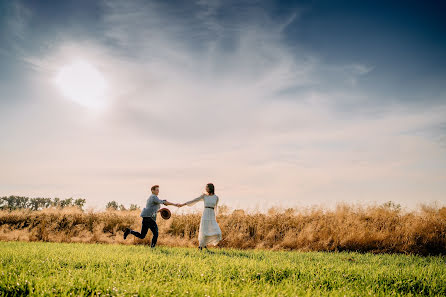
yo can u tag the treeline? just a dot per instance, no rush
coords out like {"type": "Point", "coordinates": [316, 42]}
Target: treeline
{"type": "Point", "coordinates": [20, 202]}
{"type": "Point", "coordinates": [113, 205]}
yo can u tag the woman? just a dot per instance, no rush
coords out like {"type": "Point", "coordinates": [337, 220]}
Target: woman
{"type": "Point", "coordinates": [209, 232]}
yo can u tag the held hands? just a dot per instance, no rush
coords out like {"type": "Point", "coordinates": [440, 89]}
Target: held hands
{"type": "Point", "coordinates": [179, 204]}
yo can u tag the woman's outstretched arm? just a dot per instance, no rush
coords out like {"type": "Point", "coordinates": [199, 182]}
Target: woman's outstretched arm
{"type": "Point", "coordinates": [193, 201]}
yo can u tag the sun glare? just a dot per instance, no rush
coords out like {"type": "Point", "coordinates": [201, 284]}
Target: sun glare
{"type": "Point", "coordinates": [82, 83]}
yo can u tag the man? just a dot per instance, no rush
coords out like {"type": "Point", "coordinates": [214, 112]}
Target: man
{"type": "Point", "coordinates": [148, 215]}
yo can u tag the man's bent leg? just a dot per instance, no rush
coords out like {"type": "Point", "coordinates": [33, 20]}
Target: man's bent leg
{"type": "Point", "coordinates": [144, 228]}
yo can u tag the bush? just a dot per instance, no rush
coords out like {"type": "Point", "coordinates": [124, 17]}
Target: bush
{"type": "Point", "coordinates": [378, 229]}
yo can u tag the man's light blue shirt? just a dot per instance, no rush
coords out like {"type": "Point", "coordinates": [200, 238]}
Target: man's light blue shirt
{"type": "Point", "coordinates": [152, 206]}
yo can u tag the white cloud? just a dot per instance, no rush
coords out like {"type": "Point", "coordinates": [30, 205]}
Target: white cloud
{"type": "Point", "coordinates": [197, 101]}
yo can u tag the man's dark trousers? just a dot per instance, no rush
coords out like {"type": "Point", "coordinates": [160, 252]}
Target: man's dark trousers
{"type": "Point", "coordinates": [147, 223]}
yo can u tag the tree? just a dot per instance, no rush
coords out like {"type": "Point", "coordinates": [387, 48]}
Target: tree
{"type": "Point", "coordinates": [134, 207]}
{"type": "Point", "coordinates": [79, 203]}
{"type": "Point", "coordinates": [36, 203]}
{"type": "Point", "coordinates": [122, 207]}
{"type": "Point", "coordinates": [223, 209]}
{"type": "Point", "coordinates": [392, 206]}
{"type": "Point", "coordinates": [7, 203]}
{"type": "Point", "coordinates": [112, 205]}
{"type": "Point", "coordinates": [56, 202]}
{"type": "Point", "coordinates": [21, 202]}
{"type": "Point", "coordinates": [4, 203]}
{"type": "Point", "coordinates": [15, 202]}
{"type": "Point", "coordinates": [66, 202]}
{"type": "Point", "coordinates": [47, 202]}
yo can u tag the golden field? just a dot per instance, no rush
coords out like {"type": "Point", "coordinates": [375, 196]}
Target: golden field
{"type": "Point", "coordinates": [379, 229]}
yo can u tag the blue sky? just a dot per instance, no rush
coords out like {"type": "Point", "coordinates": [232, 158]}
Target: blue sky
{"type": "Point", "coordinates": [278, 103]}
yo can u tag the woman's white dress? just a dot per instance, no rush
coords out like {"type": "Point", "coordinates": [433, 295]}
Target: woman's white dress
{"type": "Point", "coordinates": [209, 232]}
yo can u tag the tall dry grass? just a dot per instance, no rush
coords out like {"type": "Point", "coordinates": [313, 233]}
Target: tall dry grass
{"type": "Point", "coordinates": [380, 229]}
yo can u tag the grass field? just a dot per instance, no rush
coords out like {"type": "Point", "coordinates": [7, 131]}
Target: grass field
{"type": "Point", "coordinates": [39, 268]}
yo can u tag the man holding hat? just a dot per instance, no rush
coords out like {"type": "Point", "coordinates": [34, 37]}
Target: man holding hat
{"type": "Point", "coordinates": [148, 215]}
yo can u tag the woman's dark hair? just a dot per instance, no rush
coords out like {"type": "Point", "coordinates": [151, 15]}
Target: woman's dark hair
{"type": "Point", "coordinates": [211, 189]}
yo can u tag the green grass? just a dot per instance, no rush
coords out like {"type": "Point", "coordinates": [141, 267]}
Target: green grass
{"type": "Point", "coordinates": [45, 269]}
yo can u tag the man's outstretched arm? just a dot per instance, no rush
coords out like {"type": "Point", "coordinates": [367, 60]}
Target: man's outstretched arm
{"type": "Point", "coordinates": [165, 202]}
{"type": "Point", "coordinates": [170, 203]}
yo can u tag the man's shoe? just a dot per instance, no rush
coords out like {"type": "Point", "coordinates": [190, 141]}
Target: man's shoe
{"type": "Point", "coordinates": [126, 233]}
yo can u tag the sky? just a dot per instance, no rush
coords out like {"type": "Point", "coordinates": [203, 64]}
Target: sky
{"type": "Point", "coordinates": [288, 104]}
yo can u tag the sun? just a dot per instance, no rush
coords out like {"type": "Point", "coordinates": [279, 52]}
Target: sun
{"type": "Point", "coordinates": [82, 83]}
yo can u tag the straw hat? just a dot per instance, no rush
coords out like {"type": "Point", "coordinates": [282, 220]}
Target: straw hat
{"type": "Point", "coordinates": [165, 213]}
